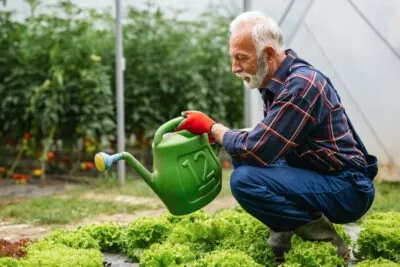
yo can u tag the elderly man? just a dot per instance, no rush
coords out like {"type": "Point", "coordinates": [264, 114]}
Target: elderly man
{"type": "Point", "coordinates": [303, 166]}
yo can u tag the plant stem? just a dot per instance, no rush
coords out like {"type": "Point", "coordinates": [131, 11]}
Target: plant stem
{"type": "Point", "coordinates": [47, 145]}
{"type": "Point", "coordinates": [17, 160]}
{"type": "Point", "coordinates": [76, 165]}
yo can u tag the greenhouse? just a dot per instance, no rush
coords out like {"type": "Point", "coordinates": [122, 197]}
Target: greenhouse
{"type": "Point", "coordinates": [200, 133]}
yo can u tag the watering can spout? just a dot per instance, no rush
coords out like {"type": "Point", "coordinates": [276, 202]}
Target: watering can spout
{"type": "Point", "coordinates": [104, 161]}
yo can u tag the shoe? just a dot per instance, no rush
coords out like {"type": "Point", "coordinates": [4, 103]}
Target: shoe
{"type": "Point", "coordinates": [321, 229]}
{"type": "Point", "coordinates": [280, 243]}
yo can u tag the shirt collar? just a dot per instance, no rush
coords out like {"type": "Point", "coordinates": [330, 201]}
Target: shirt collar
{"type": "Point", "coordinates": [278, 79]}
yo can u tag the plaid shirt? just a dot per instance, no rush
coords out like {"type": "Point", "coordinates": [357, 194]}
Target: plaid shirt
{"type": "Point", "coordinates": [304, 122]}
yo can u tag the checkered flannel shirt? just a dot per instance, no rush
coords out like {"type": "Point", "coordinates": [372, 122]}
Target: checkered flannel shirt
{"type": "Point", "coordinates": [304, 122]}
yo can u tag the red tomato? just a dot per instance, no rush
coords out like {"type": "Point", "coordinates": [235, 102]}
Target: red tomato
{"type": "Point", "coordinates": [50, 155]}
{"type": "Point", "coordinates": [17, 176]}
{"type": "Point", "coordinates": [89, 165]}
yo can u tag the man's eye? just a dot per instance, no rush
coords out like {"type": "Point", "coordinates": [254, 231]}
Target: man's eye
{"type": "Point", "coordinates": [241, 57]}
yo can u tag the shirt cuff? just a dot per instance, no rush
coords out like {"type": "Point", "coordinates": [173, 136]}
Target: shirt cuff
{"type": "Point", "coordinates": [229, 141]}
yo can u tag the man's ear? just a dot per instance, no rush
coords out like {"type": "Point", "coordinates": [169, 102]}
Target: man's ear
{"type": "Point", "coordinates": [269, 53]}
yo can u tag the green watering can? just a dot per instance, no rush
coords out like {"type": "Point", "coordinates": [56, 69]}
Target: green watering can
{"type": "Point", "coordinates": [187, 174]}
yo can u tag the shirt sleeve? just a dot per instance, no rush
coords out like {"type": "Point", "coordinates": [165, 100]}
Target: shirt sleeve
{"type": "Point", "coordinates": [286, 125]}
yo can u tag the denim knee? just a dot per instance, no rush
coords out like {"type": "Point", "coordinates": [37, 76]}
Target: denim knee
{"type": "Point", "coordinates": [237, 182]}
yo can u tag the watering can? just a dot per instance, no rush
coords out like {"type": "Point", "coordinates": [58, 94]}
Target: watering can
{"type": "Point", "coordinates": [187, 174]}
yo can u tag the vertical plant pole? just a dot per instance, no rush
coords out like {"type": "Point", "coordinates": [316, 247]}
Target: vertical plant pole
{"type": "Point", "coordinates": [247, 93]}
{"type": "Point", "coordinates": [120, 91]}
{"type": "Point", "coordinates": [46, 148]}
{"type": "Point", "coordinates": [17, 160]}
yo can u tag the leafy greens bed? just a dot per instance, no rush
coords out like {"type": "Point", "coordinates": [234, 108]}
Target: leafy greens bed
{"type": "Point", "coordinates": [228, 238]}
{"type": "Point", "coordinates": [380, 237]}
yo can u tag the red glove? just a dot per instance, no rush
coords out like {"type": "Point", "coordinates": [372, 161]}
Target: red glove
{"type": "Point", "coordinates": [196, 122]}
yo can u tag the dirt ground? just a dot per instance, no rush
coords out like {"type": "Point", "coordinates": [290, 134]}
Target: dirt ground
{"type": "Point", "coordinates": [156, 208]}
{"type": "Point", "coordinates": [8, 189]}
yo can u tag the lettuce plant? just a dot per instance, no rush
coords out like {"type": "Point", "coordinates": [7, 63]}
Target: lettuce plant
{"type": "Point", "coordinates": [108, 235]}
{"type": "Point", "coordinates": [375, 241]}
{"type": "Point", "coordinates": [379, 262]}
{"type": "Point", "coordinates": [198, 230]}
{"type": "Point", "coordinates": [310, 254]}
{"type": "Point", "coordinates": [142, 233]}
{"type": "Point", "coordinates": [229, 229]}
{"type": "Point", "coordinates": [11, 262]}
{"type": "Point", "coordinates": [72, 239]}
{"type": "Point", "coordinates": [198, 235]}
{"type": "Point", "coordinates": [380, 237]}
{"type": "Point", "coordinates": [166, 254]}
{"type": "Point", "coordinates": [247, 234]}
{"type": "Point", "coordinates": [387, 219]}
{"type": "Point", "coordinates": [199, 215]}
{"type": "Point", "coordinates": [226, 258]}
{"type": "Point", "coordinates": [48, 254]}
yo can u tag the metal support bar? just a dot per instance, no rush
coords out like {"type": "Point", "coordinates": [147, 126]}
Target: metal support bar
{"type": "Point", "coordinates": [246, 5]}
{"type": "Point", "coordinates": [285, 12]}
{"type": "Point", "coordinates": [302, 18]}
{"type": "Point", "coordinates": [247, 96]}
{"type": "Point", "coordinates": [120, 92]}
{"type": "Point", "coordinates": [375, 30]}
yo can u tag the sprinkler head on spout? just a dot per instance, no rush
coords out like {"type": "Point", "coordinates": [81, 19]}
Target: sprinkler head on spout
{"type": "Point", "coordinates": [104, 161]}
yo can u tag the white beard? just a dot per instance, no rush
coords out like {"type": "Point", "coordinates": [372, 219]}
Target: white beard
{"type": "Point", "coordinates": [255, 80]}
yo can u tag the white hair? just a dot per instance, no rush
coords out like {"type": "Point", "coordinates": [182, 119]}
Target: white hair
{"type": "Point", "coordinates": [265, 31]}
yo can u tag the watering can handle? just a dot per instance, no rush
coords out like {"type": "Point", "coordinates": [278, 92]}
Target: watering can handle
{"type": "Point", "coordinates": [170, 126]}
{"type": "Point", "coordinates": [166, 128]}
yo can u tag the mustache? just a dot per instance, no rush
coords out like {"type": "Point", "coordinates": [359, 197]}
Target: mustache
{"type": "Point", "coordinates": [244, 75]}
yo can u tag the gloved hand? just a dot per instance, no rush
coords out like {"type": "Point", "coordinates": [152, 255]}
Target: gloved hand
{"type": "Point", "coordinates": [198, 123]}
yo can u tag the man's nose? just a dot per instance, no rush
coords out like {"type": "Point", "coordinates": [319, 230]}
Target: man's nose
{"type": "Point", "coordinates": [236, 68]}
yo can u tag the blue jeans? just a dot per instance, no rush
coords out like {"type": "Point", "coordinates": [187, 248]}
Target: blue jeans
{"type": "Point", "coordinates": [284, 197]}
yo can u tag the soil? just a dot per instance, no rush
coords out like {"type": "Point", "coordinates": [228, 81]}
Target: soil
{"type": "Point", "coordinates": [10, 190]}
{"type": "Point", "coordinates": [147, 201]}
